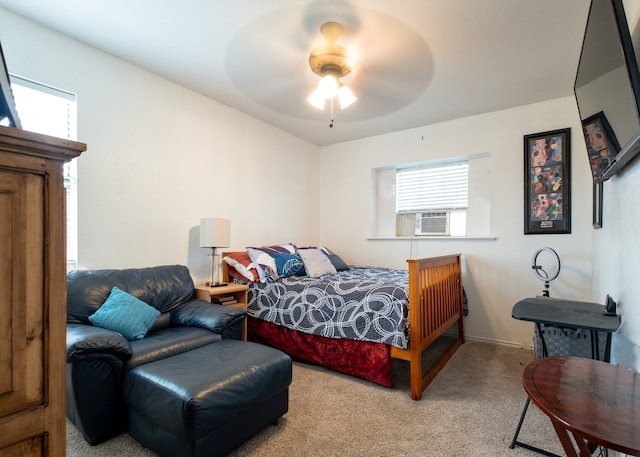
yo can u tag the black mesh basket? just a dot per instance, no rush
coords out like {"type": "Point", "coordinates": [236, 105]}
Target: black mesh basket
{"type": "Point", "coordinates": [567, 341]}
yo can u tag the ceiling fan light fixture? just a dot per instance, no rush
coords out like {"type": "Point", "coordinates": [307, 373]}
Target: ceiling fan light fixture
{"type": "Point", "coordinates": [331, 62]}
{"type": "Point", "coordinates": [345, 97]}
{"type": "Point", "coordinates": [328, 86]}
{"type": "Point", "coordinates": [317, 99]}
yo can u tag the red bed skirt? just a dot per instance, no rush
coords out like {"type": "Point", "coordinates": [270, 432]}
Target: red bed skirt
{"type": "Point", "coordinates": [363, 359]}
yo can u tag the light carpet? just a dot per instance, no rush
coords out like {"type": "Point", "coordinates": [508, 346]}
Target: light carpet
{"type": "Point", "coordinates": [470, 409]}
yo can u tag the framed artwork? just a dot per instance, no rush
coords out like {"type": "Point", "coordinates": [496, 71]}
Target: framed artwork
{"type": "Point", "coordinates": [602, 144]}
{"type": "Point", "coordinates": [602, 148]}
{"type": "Point", "coordinates": [8, 112]}
{"type": "Point", "coordinates": [547, 188]}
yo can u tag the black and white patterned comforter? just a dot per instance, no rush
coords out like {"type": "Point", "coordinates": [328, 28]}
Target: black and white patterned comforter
{"type": "Point", "coordinates": [367, 304]}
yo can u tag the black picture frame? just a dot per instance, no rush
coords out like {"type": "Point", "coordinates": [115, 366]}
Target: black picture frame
{"type": "Point", "coordinates": [602, 148]}
{"type": "Point", "coordinates": [7, 103]}
{"type": "Point", "coordinates": [547, 182]}
{"type": "Point", "coordinates": [598, 188]}
{"type": "Point", "coordinates": [602, 144]}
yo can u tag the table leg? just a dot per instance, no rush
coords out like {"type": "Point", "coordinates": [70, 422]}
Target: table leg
{"type": "Point", "coordinates": [595, 345]}
{"type": "Point", "coordinates": [584, 447]}
{"type": "Point", "coordinates": [565, 440]}
{"type": "Point", "coordinates": [522, 416]}
{"type": "Point", "coordinates": [545, 352]}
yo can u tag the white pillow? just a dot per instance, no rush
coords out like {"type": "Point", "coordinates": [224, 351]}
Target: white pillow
{"type": "Point", "coordinates": [265, 264]}
{"type": "Point", "coordinates": [316, 262]}
{"type": "Point", "coordinates": [244, 271]}
{"type": "Point", "coordinates": [262, 257]}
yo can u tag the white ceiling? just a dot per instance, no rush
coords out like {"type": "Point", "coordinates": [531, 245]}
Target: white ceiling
{"type": "Point", "coordinates": [419, 61]}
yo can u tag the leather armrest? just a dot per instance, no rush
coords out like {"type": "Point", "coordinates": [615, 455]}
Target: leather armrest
{"type": "Point", "coordinates": [86, 340]}
{"type": "Point", "coordinates": [210, 316]}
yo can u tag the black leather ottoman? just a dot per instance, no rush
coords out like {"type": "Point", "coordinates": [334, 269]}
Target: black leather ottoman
{"type": "Point", "coordinates": [207, 401]}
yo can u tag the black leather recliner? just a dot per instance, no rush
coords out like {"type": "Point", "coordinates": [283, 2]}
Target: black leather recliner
{"type": "Point", "coordinates": [98, 359]}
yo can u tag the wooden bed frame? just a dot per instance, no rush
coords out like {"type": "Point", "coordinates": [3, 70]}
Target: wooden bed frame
{"type": "Point", "coordinates": [435, 304]}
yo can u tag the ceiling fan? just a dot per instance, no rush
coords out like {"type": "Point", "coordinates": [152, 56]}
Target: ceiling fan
{"type": "Point", "coordinates": [331, 62]}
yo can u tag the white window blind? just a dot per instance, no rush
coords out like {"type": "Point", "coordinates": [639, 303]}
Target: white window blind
{"type": "Point", "coordinates": [50, 111]}
{"type": "Point", "coordinates": [441, 187]}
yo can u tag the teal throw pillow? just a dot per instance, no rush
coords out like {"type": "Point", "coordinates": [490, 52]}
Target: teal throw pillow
{"type": "Point", "coordinates": [289, 265]}
{"type": "Point", "coordinates": [125, 314]}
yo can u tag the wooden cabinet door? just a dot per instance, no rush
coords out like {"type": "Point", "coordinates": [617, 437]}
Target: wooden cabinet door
{"type": "Point", "coordinates": [23, 403]}
{"type": "Point", "coordinates": [32, 293]}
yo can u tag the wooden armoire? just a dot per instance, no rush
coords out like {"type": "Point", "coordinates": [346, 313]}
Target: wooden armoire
{"type": "Point", "coordinates": [33, 292]}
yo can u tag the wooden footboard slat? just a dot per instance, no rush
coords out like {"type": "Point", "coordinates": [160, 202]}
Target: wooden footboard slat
{"type": "Point", "coordinates": [435, 304]}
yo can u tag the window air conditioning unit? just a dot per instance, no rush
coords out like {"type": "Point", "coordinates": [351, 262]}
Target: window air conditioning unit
{"type": "Point", "coordinates": [432, 223]}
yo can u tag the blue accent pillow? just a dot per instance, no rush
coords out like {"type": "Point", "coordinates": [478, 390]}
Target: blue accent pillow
{"type": "Point", "coordinates": [338, 263]}
{"type": "Point", "coordinates": [263, 257]}
{"type": "Point", "coordinates": [125, 314]}
{"type": "Point", "coordinates": [289, 265]}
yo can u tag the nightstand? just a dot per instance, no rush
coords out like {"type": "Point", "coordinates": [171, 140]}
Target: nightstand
{"type": "Point", "coordinates": [229, 295]}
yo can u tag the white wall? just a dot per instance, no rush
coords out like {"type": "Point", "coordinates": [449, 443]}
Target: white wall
{"type": "Point", "coordinates": [616, 248]}
{"type": "Point", "coordinates": [616, 260]}
{"type": "Point", "coordinates": [497, 272]}
{"type": "Point", "coordinates": [160, 157]}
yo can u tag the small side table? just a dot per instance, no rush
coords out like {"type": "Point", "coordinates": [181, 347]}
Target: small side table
{"type": "Point", "coordinates": [564, 314]}
{"type": "Point", "coordinates": [595, 401]}
{"type": "Point", "coordinates": [569, 314]}
{"type": "Point", "coordinates": [237, 291]}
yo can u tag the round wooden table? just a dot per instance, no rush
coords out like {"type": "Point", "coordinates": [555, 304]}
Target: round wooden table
{"type": "Point", "coordinates": [597, 402]}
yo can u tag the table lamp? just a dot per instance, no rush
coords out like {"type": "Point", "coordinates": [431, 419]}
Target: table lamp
{"type": "Point", "coordinates": [214, 233]}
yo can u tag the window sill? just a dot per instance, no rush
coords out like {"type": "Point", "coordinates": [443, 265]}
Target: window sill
{"type": "Point", "coordinates": [432, 238]}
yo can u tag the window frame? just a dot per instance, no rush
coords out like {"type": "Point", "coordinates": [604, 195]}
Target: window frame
{"type": "Point", "coordinates": [383, 220]}
{"type": "Point", "coordinates": [70, 170]}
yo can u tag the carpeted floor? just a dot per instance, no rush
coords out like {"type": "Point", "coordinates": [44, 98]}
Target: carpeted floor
{"type": "Point", "coordinates": [470, 409]}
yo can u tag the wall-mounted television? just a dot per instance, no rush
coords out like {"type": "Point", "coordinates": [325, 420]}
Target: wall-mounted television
{"type": "Point", "coordinates": [8, 113]}
{"type": "Point", "coordinates": [607, 89]}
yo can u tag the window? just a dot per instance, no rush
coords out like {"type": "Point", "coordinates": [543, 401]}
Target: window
{"type": "Point", "coordinates": [51, 111]}
{"type": "Point", "coordinates": [446, 197]}
{"type": "Point", "coordinates": [433, 198]}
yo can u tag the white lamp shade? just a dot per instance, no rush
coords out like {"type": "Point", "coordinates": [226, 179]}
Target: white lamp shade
{"type": "Point", "coordinates": [317, 99]}
{"type": "Point", "coordinates": [327, 89]}
{"type": "Point", "coordinates": [328, 86]}
{"type": "Point", "coordinates": [346, 97]}
{"type": "Point", "coordinates": [215, 233]}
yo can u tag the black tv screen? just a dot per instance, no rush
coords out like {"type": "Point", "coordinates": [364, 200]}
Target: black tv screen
{"type": "Point", "coordinates": [607, 89]}
{"type": "Point", "coordinates": [8, 113]}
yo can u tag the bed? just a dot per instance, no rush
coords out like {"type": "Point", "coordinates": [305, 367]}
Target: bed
{"type": "Point", "coordinates": [356, 320]}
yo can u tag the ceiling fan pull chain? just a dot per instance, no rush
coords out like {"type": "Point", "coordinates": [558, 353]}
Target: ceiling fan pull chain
{"type": "Point", "coordinates": [331, 105]}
